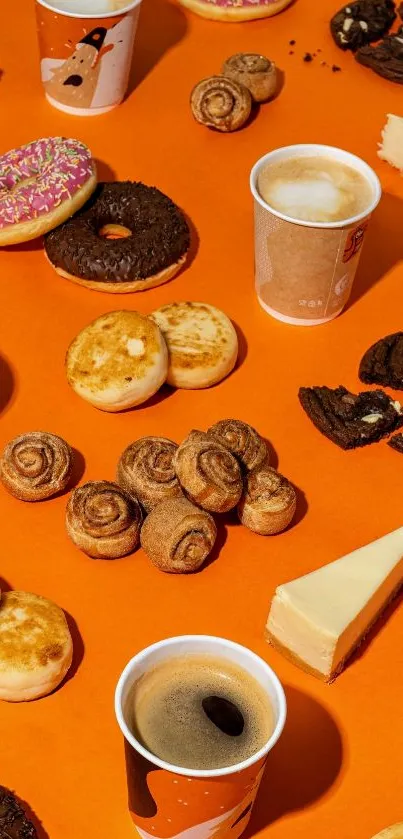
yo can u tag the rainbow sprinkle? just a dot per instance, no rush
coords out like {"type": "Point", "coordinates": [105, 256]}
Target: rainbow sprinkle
{"type": "Point", "coordinates": [38, 177]}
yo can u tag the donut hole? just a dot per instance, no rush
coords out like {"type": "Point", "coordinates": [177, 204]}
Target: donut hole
{"type": "Point", "coordinates": [114, 231]}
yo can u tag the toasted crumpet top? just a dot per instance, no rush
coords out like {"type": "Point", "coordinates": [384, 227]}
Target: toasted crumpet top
{"type": "Point", "coordinates": [33, 632]}
{"type": "Point", "coordinates": [116, 348]}
{"type": "Point", "coordinates": [198, 335]}
{"type": "Point", "coordinates": [394, 832]}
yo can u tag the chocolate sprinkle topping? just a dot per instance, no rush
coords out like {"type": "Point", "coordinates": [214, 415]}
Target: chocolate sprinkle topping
{"type": "Point", "coordinates": [159, 235]}
{"type": "Point", "coordinates": [13, 821]}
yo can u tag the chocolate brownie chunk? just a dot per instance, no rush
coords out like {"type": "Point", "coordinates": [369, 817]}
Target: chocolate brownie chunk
{"type": "Point", "coordinates": [382, 364]}
{"type": "Point", "coordinates": [396, 443]}
{"type": "Point", "coordinates": [386, 58]}
{"type": "Point", "coordinates": [13, 821]}
{"type": "Point", "coordinates": [360, 23]}
{"type": "Point", "coordinates": [349, 420]}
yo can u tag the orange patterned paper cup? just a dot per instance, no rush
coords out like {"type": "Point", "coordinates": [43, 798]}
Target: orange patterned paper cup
{"type": "Point", "coordinates": [304, 270]}
{"type": "Point", "coordinates": [86, 58]}
{"type": "Point", "coordinates": [170, 802]}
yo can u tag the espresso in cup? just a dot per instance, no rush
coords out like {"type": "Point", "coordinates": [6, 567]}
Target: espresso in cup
{"type": "Point", "coordinates": [314, 189]}
{"type": "Point", "coordinates": [200, 712]}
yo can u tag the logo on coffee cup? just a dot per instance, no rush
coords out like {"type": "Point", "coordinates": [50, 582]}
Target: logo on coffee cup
{"type": "Point", "coordinates": [354, 242]}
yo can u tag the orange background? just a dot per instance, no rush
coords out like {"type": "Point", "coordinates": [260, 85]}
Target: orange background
{"type": "Point", "coordinates": [338, 768]}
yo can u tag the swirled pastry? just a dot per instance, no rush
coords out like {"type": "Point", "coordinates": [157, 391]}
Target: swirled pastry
{"type": "Point", "coordinates": [103, 520]}
{"type": "Point", "coordinates": [177, 536]}
{"type": "Point", "coordinates": [268, 503]}
{"type": "Point", "coordinates": [254, 71]}
{"type": "Point", "coordinates": [36, 465]}
{"type": "Point", "coordinates": [209, 474]}
{"type": "Point", "coordinates": [146, 469]}
{"type": "Point", "coordinates": [242, 440]}
{"type": "Point", "coordinates": [221, 103]}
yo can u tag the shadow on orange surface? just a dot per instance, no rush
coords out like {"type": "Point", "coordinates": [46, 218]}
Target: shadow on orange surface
{"type": "Point", "coordinates": [25, 247]}
{"type": "Point", "coordinates": [152, 42]}
{"type": "Point", "coordinates": [78, 649]}
{"type": "Point", "coordinates": [4, 585]}
{"type": "Point", "coordinates": [302, 507]}
{"type": "Point", "coordinates": [194, 243]}
{"type": "Point", "coordinates": [104, 171]}
{"type": "Point", "coordinates": [78, 469]}
{"type": "Point", "coordinates": [376, 629]}
{"type": "Point", "coordinates": [303, 766]}
{"type": "Point", "coordinates": [383, 247]}
{"type": "Point", "coordinates": [7, 384]}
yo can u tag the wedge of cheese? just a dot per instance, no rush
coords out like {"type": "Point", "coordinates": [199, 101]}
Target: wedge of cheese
{"type": "Point", "coordinates": [391, 148]}
{"type": "Point", "coordinates": [318, 620]}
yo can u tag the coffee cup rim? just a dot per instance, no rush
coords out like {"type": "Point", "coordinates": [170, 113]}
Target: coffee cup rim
{"type": "Point", "coordinates": [222, 643]}
{"type": "Point", "coordinates": [312, 149]}
{"type": "Point", "coordinates": [90, 15]}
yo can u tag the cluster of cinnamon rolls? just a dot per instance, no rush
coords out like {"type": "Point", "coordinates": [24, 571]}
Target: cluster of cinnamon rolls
{"type": "Point", "coordinates": [164, 496]}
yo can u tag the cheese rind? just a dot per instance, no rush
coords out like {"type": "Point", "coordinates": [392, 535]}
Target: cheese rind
{"type": "Point", "coordinates": [319, 619]}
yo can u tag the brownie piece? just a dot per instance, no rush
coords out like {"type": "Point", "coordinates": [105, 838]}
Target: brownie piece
{"type": "Point", "coordinates": [396, 443]}
{"type": "Point", "coordinates": [13, 821]}
{"type": "Point", "coordinates": [386, 58]}
{"type": "Point", "coordinates": [360, 23]}
{"type": "Point", "coordinates": [382, 364]}
{"type": "Point", "coordinates": [351, 420]}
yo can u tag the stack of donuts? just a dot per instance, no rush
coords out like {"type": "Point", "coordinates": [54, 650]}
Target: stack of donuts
{"type": "Point", "coordinates": [114, 237]}
{"type": "Point", "coordinates": [164, 496]}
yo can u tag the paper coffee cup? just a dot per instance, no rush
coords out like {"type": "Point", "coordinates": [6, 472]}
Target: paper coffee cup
{"type": "Point", "coordinates": [304, 270]}
{"type": "Point", "coordinates": [167, 801]}
{"type": "Point", "coordinates": [86, 57]}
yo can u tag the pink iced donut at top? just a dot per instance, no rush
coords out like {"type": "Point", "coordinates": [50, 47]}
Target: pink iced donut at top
{"type": "Point", "coordinates": [38, 177]}
{"type": "Point", "coordinates": [240, 4]}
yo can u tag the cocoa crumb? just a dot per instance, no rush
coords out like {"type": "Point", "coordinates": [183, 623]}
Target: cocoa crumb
{"type": "Point", "coordinates": [308, 57]}
{"type": "Point", "coordinates": [336, 69]}
{"type": "Point", "coordinates": [292, 43]}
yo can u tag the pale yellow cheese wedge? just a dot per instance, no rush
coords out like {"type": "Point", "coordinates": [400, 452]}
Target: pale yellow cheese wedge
{"type": "Point", "coordinates": [318, 620]}
{"type": "Point", "coordinates": [391, 148]}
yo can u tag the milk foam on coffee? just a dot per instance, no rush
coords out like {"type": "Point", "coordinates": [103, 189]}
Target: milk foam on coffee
{"type": "Point", "coordinates": [200, 712]}
{"type": "Point", "coordinates": [313, 189]}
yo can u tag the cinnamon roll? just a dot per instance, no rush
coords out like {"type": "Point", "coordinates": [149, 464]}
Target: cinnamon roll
{"type": "Point", "coordinates": [221, 103]}
{"type": "Point", "coordinates": [242, 440]}
{"type": "Point", "coordinates": [146, 469]}
{"type": "Point", "coordinates": [177, 536]}
{"type": "Point", "coordinates": [103, 520]}
{"type": "Point", "coordinates": [208, 473]}
{"type": "Point", "coordinates": [268, 503]}
{"type": "Point", "coordinates": [36, 465]}
{"type": "Point", "coordinates": [254, 71]}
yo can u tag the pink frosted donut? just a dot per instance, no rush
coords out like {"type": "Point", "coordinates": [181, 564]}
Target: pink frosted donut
{"type": "Point", "coordinates": [236, 10]}
{"type": "Point", "coordinates": [41, 185]}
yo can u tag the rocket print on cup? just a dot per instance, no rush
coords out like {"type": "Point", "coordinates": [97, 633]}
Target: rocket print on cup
{"type": "Point", "coordinates": [85, 62]}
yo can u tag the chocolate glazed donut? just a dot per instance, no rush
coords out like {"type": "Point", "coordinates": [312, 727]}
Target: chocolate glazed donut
{"type": "Point", "coordinates": [153, 239]}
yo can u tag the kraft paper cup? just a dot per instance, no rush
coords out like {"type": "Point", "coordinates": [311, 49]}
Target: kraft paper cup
{"type": "Point", "coordinates": [170, 801]}
{"type": "Point", "coordinates": [304, 270]}
{"type": "Point", "coordinates": [86, 58]}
